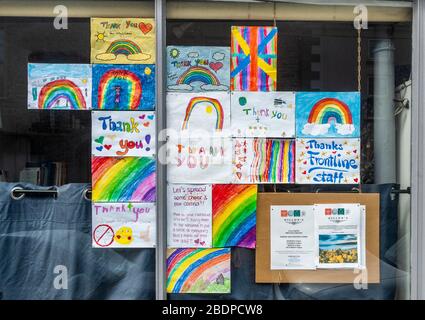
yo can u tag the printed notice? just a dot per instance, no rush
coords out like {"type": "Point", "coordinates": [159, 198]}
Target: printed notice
{"type": "Point", "coordinates": [189, 216]}
{"type": "Point", "coordinates": [292, 237]}
{"type": "Point", "coordinates": [338, 236]}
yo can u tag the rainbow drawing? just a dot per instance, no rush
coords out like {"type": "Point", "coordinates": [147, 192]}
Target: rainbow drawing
{"type": "Point", "coordinates": [198, 74]}
{"type": "Point", "coordinates": [123, 46]}
{"type": "Point", "coordinates": [234, 209]}
{"type": "Point", "coordinates": [199, 101]}
{"type": "Point", "coordinates": [273, 161]}
{"type": "Point", "coordinates": [119, 90]}
{"type": "Point", "coordinates": [253, 61]}
{"type": "Point", "coordinates": [330, 110]}
{"type": "Point", "coordinates": [198, 271]}
{"type": "Point", "coordinates": [327, 114]}
{"type": "Point", "coordinates": [58, 90]}
{"type": "Point", "coordinates": [123, 179]}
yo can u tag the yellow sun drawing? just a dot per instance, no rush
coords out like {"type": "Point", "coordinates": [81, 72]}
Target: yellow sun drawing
{"type": "Point", "coordinates": [208, 109]}
{"type": "Point", "coordinates": [100, 36]}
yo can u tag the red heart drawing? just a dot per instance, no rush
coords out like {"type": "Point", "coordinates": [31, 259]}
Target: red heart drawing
{"type": "Point", "coordinates": [146, 124]}
{"type": "Point", "coordinates": [305, 162]}
{"type": "Point", "coordinates": [196, 241]}
{"type": "Point", "coordinates": [142, 116]}
{"type": "Point", "coordinates": [304, 172]}
{"type": "Point", "coordinates": [355, 151]}
{"type": "Point", "coordinates": [108, 146]}
{"type": "Point", "coordinates": [333, 152]}
{"type": "Point", "coordinates": [202, 243]}
{"type": "Point", "coordinates": [239, 175]}
{"type": "Point", "coordinates": [145, 27]}
{"type": "Point", "coordinates": [216, 66]}
{"type": "Point", "coordinates": [307, 148]}
{"type": "Point", "coordinates": [356, 180]}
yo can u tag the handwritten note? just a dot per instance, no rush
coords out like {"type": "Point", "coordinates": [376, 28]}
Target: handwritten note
{"type": "Point", "coordinates": [123, 225]}
{"type": "Point", "coordinates": [263, 114]}
{"type": "Point", "coordinates": [328, 161]}
{"type": "Point", "coordinates": [123, 134]}
{"type": "Point", "coordinates": [189, 216]}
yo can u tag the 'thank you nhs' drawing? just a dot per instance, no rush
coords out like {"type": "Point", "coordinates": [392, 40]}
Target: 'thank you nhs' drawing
{"type": "Point", "coordinates": [328, 114]}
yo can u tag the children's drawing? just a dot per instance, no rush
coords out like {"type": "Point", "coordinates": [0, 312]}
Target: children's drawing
{"type": "Point", "coordinates": [123, 87]}
{"type": "Point", "coordinates": [119, 134]}
{"type": "Point", "coordinates": [193, 113]}
{"type": "Point", "coordinates": [328, 114]}
{"type": "Point", "coordinates": [123, 225]}
{"type": "Point", "coordinates": [59, 86]}
{"type": "Point", "coordinates": [122, 40]}
{"type": "Point", "coordinates": [263, 114]}
{"type": "Point", "coordinates": [234, 209]}
{"type": "Point", "coordinates": [253, 59]}
{"type": "Point", "coordinates": [258, 160]}
{"type": "Point", "coordinates": [328, 161]}
{"type": "Point", "coordinates": [128, 179]}
{"type": "Point", "coordinates": [200, 160]}
{"type": "Point", "coordinates": [198, 271]}
{"type": "Point", "coordinates": [198, 69]}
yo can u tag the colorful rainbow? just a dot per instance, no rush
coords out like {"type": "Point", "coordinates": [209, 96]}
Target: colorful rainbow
{"type": "Point", "coordinates": [198, 74]}
{"type": "Point", "coordinates": [274, 161]}
{"type": "Point", "coordinates": [197, 101]}
{"type": "Point", "coordinates": [130, 90]}
{"type": "Point", "coordinates": [53, 91]}
{"type": "Point", "coordinates": [328, 110]}
{"type": "Point", "coordinates": [234, 210]}
{"type": "Point", "coordinates": [125, 47]}
{"type": "Point", "coordinates": [123, 179]}
{"type": "Point", "coordinates": [197, 270]}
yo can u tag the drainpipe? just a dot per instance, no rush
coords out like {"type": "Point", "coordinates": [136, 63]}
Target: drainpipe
{"type": "Point", "coordinates": [384, 120]}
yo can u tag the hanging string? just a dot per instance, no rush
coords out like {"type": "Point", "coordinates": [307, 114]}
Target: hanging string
{"type": "Point", "coordinates": [359, 75]}
{"type": "Point", "coordinates": [359, 60]}
{"type": "Point", "coordinates": [274, 14]}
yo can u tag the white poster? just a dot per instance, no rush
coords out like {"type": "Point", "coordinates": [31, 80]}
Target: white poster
{"type": "Point", "coordinates": [198, 114]}
{"type": "Point", "coordinates": [292, 238]}
{"type": "Point", "coordinates": [123, 134]}
{"type": "Point", "coordinates": [189, 216]}
{"type": "Point", "coordinates": [338, 236]}
{"type": "Point", "coordinates": [123, 225]}
{"type": "Point", "coordinates": [200, 161]}
{"type": "Point", "coordinates": [263, 114]}
{"type": "Point", "coordinates": [328, 161]}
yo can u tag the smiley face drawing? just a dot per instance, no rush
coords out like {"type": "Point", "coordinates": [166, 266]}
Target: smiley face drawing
{"type": "Point", "coordinates": [124, 235]}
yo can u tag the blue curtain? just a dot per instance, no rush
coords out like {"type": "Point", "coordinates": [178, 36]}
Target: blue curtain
{"type": "Point", "coordinates": [38, 234]}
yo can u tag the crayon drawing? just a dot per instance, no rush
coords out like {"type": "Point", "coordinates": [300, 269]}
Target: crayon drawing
{"type": "Point", "coordinates": [328, 114]}
{"type": "Point", "coordinates": [119, 134]}
{"type": "Point", "coordinates": [198, 271]}
{"type": "Point", "coordinates": [59, 86]}
{"type": "Point", "coordinates": [123, 225]}
{"type": "Point", "coordinates": [122, 40]}
{"type": "Point", "coordinates": [263, 114]}
{"type": "Point", "coordinates": [328, 161]}
{"type": "Point", "coordinates": [123, 87]}
{"type": "Point", "coordinates": [198, 69]}
{"type": "Point", "coordinates": [128, 179]}
{"type": "Point", "coordinates": [191, 113]}
{"type": "Point", "coordinates": [253, 61]}
{"type": "Point", "coordinates": [234, 209]}
{"type": "Point", "coordinates": [259, 160]}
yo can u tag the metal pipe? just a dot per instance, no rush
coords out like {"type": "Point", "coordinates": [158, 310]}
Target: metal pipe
{"type": "Point", "coordinates": [161, 171]}
{"type": "Point", "coordinates": [384, 120]}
